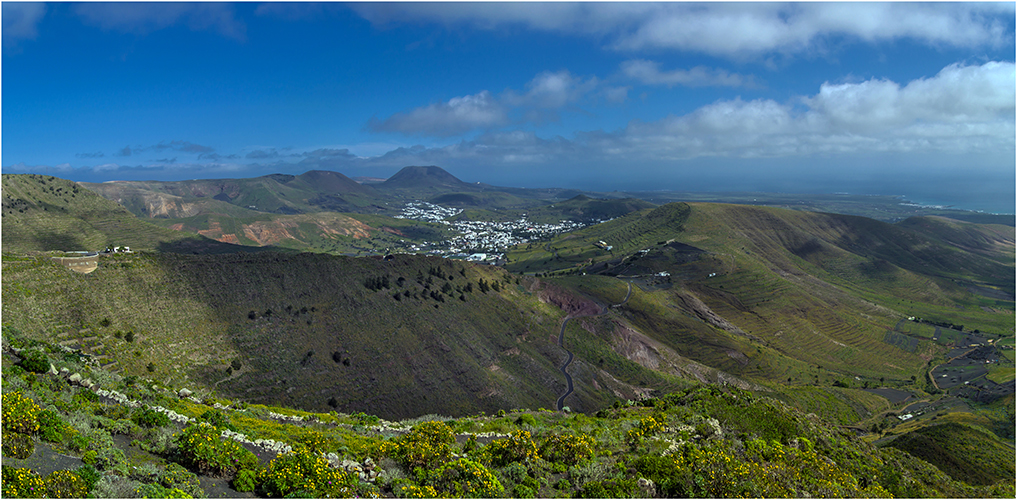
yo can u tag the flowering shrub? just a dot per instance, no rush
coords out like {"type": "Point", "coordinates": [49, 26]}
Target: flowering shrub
{"type": "Point", "coordinates": [202, 448]}
{"type": "Point", "coordinates": [567, 449]}
{"type": "Point", "coordinates": [647, 427]}
{"type": "Point", "coordinates": [20, 414]}
{"type": "Point", "coordinates": [65, 484]}
{"type": "Point", "coordinates": [217, 419]}
{"type": "Point", "coordinates": [428, 445]}
{"type": "Point", "coordinates": [174, 476]}
{"type": "Point", "coordinates": [315, 441]}
{"type": "Point", "coordinates": [765, 469]}
{"type": "Point", "coordinates": [518, 447]}
{"type": "Point", "coordinates": [17, 445]}
{"type": "Point", "coordinates": [158, 491]}
{"type": "Point", "coordinates": [21, 483]}
{"type": "Point", "coordinates": [414, 491]}
{"type": "Point", "coordinates": [465, 478]}
{"type": "Point", "coordinates": [302, 471]}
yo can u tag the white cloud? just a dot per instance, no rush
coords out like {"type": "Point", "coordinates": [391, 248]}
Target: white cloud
{"type": "Point", "coordinates": [961, 110]}
{"type": "Point", "coordinates": [545, 94]}
{"type": "Point", "coordinates": [143, 18]}
{"type": "Point", "coordinates": [458, 115]}
{"type": "Point", "coordinates": [20, 21]}
{"type": "Point", "coordinates": [551, 90]}
{"type": "Point", "coordinates": [734, 30]}
{"type": "Point", "coordinates": [649, 73]}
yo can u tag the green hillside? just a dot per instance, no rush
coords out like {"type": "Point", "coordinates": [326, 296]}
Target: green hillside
{"type": "Point", "coordinates": [966, 453]}
{"type": "Point", "coordinates": [781, 295]}
{"type": "Point", "coordinates": [43, 213]}
{"type": "Point", "coordinates": [313, 330]}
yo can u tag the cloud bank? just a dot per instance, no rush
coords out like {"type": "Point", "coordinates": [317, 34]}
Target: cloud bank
{"type": "Point", "coordinates": [735, 31]}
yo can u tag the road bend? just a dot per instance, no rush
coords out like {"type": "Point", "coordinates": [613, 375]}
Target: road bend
{"type": "Point", "coordinates": [560, 404]}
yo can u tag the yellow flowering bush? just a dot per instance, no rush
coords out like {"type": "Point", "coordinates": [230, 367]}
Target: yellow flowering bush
{"type": "Point", "coordinates": [20, 414]}
{"type": "Point", "coordinates": [765, 469]}
{"type": "Point", "coordinates": [65, 484]}
{"type": "Point", "coordinates": [17, 445]}
{"type": "Point", "coordinates": [202, 447]}
{"type": "Point", "coordinates": [21, 483]}
{"type": "Point", "coordinates": [302, 471]}
{"type": "Point", "coordinates": [567, 449]}
{"type": "Point", "coordinates": [158, 491]}
{"type": "Point", "coordinates": [464, 478]}
{"type": "Point", "coordinates": [414, 491]}
{"type": "Point", "coordinates": [427, 445]}
{"type": "Point", "coordinates": [317, 442]}
{"type": "Point", "coordinates": [646, 428]}
{"type": "Point", "coordinates": [518, 447]}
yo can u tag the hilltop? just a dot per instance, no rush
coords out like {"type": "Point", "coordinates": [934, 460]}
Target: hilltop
{"type": "Point", "coordinates": [426, 178]}
{"type": "Point", "coordinates": [44, 213]}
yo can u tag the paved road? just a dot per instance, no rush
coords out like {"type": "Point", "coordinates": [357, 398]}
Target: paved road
{"type": "Point", "coordinates": [560, 404]}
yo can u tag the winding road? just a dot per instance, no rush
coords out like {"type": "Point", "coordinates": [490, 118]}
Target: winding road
{"type": "Point", "coordinates": [560, 404]}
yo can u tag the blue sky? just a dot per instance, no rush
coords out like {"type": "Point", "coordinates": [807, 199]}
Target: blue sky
{"type": "Point", "coordinates": [912, 99]}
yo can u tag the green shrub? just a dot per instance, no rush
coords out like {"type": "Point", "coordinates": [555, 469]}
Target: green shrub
{"type": "Point", "coordinates": [65, 484]}
{"type": "Point", "coordinates": [89, 475]}
{"type": "Point", "coordinates": [84, 396]}
{"type": "Point", "coordinates": [89, 457]}
{"type": "Point", "coordinates": [521, 491]}
{"type": "Point", "coordinates": [201, 448]}
{"type": "Point", "coordinates": [111, 459]}
{"type": "Point", "coordinates": [246, 480]}
{"type": "Point", "coordinates": [526, 419]}
{"type": "Point", "coordinates": [51, 427]}
{"type": "Point", "coordinates": [21, 483]}
{"type": "Point", "coordinates": [515, 472]}
{"type": "Point", "coordinates": [78, 443]}
{"type": "Point", "coordinates": [158, 491]}
{"type": "Point", "coordinates": [35, 361]}
{"type": "Point", "coordinates": [608, 488]}
{"type": "Point", "coordinates": [17, 445]}
{"type": "Point", "coordinates": [174, 476]}
{"type": "Point", "coordinates": [149, 418]}
{"type": "Point", "coordinates": [218, 419]}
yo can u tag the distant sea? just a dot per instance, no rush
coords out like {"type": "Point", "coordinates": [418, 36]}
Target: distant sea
{"type": "Point", "coordinates": [992, 205]}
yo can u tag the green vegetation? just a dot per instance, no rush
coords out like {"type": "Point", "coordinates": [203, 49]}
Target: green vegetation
{"type": "Point", "coordinates": [702, 441]}
{"type": "Point", "coordinates": [44, 213]}
{"type": "Point", "coordinates": [716, 350]}
{"type": "Point", "coordinates": [964, 452]}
